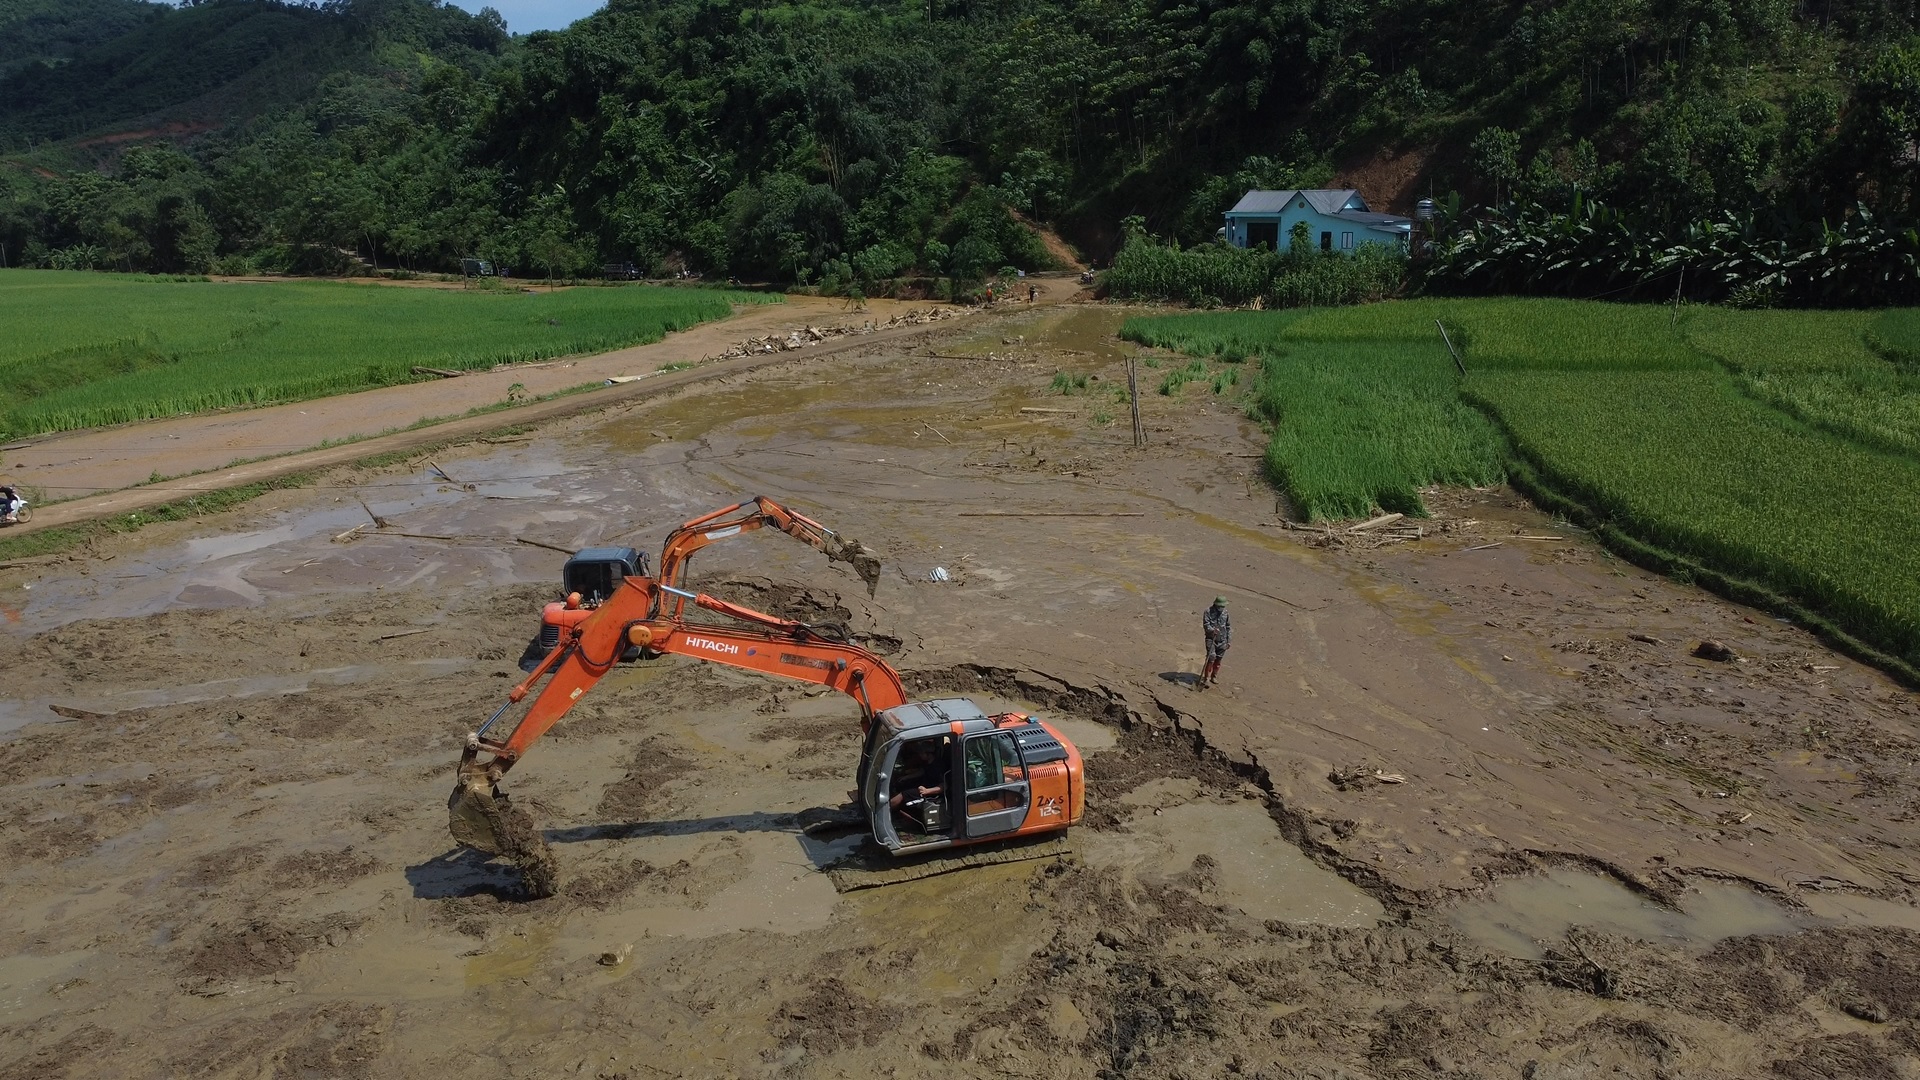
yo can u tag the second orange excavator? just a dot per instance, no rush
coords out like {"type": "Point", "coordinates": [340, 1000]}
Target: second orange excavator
{"type": "Point", "coordinates": [932, 775]}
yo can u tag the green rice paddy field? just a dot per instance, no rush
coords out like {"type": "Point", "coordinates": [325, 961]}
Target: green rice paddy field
{"type": "Point", "coordinates": [1773, 455]}
{"type": "Point", "coordinates": [81, 349]}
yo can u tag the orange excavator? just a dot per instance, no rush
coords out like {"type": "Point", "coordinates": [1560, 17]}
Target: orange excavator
{"type": "Point", "coordinates": [933, 774]}
{"type": "Point", "coordinates": [590, 576]}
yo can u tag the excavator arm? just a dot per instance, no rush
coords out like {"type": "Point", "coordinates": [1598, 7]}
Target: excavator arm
{"type": "Point", "coordinates": [757, 513]}
{"type": "Point", "coordinates": [480, 816]}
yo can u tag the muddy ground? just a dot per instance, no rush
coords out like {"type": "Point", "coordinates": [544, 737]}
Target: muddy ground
{"type": "Point", "coordinates": [1463, 803]}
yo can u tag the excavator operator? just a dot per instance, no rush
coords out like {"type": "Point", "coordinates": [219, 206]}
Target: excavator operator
{"type": "Point", "coordinates": [920, 784]}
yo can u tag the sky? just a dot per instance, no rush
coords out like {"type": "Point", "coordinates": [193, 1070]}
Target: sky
{"type": "Point", "coordinates": [526, 16]}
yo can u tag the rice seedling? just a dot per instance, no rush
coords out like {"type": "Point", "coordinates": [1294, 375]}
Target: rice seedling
{"type": "Point", "coordinates": [1179, 377]}
{"type": "Point", "coordinates": [1783, 341]}
{"type": "Point", "coordinates": [1361, 418]}
{"type": "Point", "coordinates": [1896, 336]}
{"type": "Point", "coordinates": [1360, 426]}
{"type": "Point", "coordinates": [1069, 382]}
{"type": "Point", "coordinates": [1559, 335]}
{"type": "Point", "coordinates": [87, 349]}
{"type": "Point", "coordinates": [1684, 462]}
{"type": "Point", "coordinates": [1218, 333]}
{"type": "Point", "coordinates": [1819, 367]}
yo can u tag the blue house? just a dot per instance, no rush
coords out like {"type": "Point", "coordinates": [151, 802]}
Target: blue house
{"type": "Point", "coordinates": [1337, 220]}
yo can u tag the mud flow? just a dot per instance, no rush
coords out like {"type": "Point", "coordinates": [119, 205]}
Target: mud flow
{"type": "Point", "coordinates": [1462, 803]}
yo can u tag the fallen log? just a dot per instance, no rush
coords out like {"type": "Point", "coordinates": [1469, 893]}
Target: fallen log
{"type": "Point", "coordinates": [1383, 519]}
{"type": "Point", "coordinates": [444, 373]}
{"type": "Point", "coordinates": [1038, 409]}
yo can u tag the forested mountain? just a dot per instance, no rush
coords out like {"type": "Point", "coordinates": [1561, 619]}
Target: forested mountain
{"type": "Point", "coordinates": [852, 139]}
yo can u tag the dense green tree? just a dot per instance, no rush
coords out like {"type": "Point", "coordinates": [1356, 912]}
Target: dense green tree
{"type": "Point", "coordinates": [855, 143]}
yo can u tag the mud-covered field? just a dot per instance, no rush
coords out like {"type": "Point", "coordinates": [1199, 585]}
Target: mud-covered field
{"type": "Point", "coordinates": [1463, 803]}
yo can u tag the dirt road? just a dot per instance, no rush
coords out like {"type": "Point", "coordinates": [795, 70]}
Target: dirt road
{"type": "Point", "coordinates": [1445, 814]}
{"type": "Point", "coordinates": [201, 450]}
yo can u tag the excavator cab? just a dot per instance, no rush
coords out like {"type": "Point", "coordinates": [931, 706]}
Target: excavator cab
{"type": "Point", "coordinates": [1003, 775]}
{"type": "Point", "coordinates": [588, 578]}
{"type": "Point", "coordinates": [595, 572]}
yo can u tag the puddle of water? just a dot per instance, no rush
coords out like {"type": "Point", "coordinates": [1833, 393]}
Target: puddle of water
{"type": "Point", "coordinates": [1516, 916]}
{"type": "Point", "coordinates": [519, 958]}
{"type": "Point", "coordinates": [1862, 910]}
{"type": "Point", "coordinates": [1257, 870]}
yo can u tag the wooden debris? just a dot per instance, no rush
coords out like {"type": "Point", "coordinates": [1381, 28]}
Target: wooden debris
{"type": "Point", "coordinates": [937, 431]}
{"type": "Point", "coordinates": [1361, 776]}
{"type": "Point", "coordinates": [1648, 638]}
{"type": "Point", "coordinates": [1038, 409]}
{"type": "Point", "coordinates": [1483, 547]}
{"type": "Point", "coordinates": [406, 633]}
{"type": "Point", "coordinates": [540, 544]}
{"type": "Point", "coordinates": [1374, 523]}
{"type": "Point", "coordinates": [444, 373]}
{"type": "Point", "coordinates": [345, 537]}
{"type": "Point", "coordinates": [443, 475]}
{"type": "Point", "coordinates": [72, 713]}
{"type": "Point", "coordinates": [378, 521]}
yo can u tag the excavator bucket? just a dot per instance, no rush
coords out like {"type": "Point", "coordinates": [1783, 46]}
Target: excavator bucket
{"type": "Point", "coordinates": [482, 817]}
{"type": "Point", "coordinates": [859, 556]}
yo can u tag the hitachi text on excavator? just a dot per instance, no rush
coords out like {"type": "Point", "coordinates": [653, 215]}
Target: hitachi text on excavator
{"type": "Point", "coordinates": [933, 775]}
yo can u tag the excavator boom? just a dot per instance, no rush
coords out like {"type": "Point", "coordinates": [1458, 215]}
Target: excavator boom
{"type": "Point", "coordinates": [760, 512]}
{"type": "Point", "coordinates": [679, 547]}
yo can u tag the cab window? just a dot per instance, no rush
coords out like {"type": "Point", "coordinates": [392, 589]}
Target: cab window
{"type": "Point", "coordinates": [993, 762]}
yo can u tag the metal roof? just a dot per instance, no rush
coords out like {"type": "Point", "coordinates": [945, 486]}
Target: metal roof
{"type": "Point", "coordinates": [1325, 200]}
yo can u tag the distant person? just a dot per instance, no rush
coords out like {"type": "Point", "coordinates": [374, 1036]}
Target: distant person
{"type": "Point", "coordinates": [10, 503]}
{"type": "Point", "coordinates": [1033, 292]}
{"type": "Point", "coordinates": [989, 294]}
{"type": "Point", "coordinates": [1219, 632]}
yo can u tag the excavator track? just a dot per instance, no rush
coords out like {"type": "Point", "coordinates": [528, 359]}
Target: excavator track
{"type": "Point", "coordinates": [872, 868]}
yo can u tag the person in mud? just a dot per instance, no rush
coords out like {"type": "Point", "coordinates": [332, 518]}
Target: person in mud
{"type": "Point", "coordinates": [1219, 632]}
{"type": "Point", "coordinates": [919, 778]}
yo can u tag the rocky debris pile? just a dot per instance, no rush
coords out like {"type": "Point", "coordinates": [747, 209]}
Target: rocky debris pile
{"type": "Point", "coordinates": [801, 337]}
